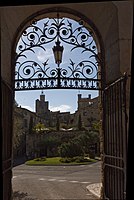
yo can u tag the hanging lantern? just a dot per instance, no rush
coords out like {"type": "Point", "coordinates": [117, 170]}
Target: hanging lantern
{"type": "Point", "coordinates": [58, 51]}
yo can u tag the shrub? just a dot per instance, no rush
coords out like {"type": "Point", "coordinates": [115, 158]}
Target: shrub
{"type": "Point", "coordinates": [70, 149]}
{"type": "Point", "coordinates": [79, 159]}
{"type": "Point", "coordinates": [66, 160]}
{"type": "Point", "coordinates": [92, 155]}
{"type": "Point", "coordinates": [40, 159]}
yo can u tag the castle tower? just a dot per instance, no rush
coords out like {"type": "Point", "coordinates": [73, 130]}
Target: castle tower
{"type": "Point", "coordinates": [42, 106]}
{"type": "Point", "coordinates": [42, 97]}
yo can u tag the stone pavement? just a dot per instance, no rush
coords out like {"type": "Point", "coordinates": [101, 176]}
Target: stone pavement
{"type": "Point", "coordinates": [95, 189]}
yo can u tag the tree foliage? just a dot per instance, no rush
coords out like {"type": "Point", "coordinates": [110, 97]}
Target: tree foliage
{"type": "Point", "coordinates": [70, 149]}
{"type": "Point", "coordinates": [79, 145]}
{"type": "Point", "coordinates": [96, 125]}
{"type": "Point", "coordinates": [49, 143]}
{"type": "Point", "coordinates": [39, 127]}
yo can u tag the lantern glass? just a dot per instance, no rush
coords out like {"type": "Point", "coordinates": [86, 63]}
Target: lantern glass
{"type": "Point", "coordinates": [58, 51]}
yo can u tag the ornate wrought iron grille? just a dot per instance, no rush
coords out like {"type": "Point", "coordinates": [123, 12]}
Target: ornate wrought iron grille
{"type": "Point", "coordinates": [35, 67]}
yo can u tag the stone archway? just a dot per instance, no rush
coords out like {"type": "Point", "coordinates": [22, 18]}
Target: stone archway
{"type": "Point", "coordinates": [114, 15]}
{"type": "Point", "coordinates": [93, 78]}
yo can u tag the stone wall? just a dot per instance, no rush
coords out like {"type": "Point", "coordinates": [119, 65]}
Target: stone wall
{"type": "Point", "coordinates": [23, 123]}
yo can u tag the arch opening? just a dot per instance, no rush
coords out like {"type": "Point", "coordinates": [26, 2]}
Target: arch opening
{"type": "Point", "coordinates": [57, 52]}
{"type": "Point", "coordinates": [35, 64]}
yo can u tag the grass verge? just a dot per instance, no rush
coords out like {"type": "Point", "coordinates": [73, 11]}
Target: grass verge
{"type": "Point", "coordinates": [56, 161]}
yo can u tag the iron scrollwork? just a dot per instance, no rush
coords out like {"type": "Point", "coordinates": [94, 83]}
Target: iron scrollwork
{"type": "Point", "coordinates": [35, 66]}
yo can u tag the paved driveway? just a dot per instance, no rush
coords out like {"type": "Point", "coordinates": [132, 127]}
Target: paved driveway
{"type": "Point", "coordinates": [54, 182]}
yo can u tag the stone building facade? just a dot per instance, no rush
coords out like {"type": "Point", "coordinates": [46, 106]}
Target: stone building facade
{"type": "Point", "coordinates": [25, 143]}
{"type": "Point", "coordinates": [23, 122]}
{"type": "Point", "coordinates": [87, 108]}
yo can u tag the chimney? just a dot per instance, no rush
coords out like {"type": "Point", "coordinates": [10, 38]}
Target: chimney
{"type": "Point", "coordinates": [79, 96]}
{"type": "Point", "coordinates": [89, 96]}
{"type": "Point", "coordinates": [42, 97]}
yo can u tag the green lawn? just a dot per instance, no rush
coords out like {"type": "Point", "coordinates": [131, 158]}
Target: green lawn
{"type": "Point", "coordinates": [55, 161]}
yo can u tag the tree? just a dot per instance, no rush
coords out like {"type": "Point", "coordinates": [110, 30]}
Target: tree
{"type": "Point", "coordinates": [80, 145]}
{"type": "Point", "coordinates": [91, 139]}
{"type": "Point", "coordinates": [71, 149]}
{"type": "Point", "coordinates": [39, 127]}
{"type": "Point", "coordinates": [49, 143]}
{"type": "Point", "coordinates": [96, 125]}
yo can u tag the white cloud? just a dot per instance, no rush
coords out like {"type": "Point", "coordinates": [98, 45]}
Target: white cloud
{"type": "Point", "coordinates": [61, 108]}
{"type": "Point", "coordinates": [28, 108]}
{"type": "Point", "coordinates": [44, 55]}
